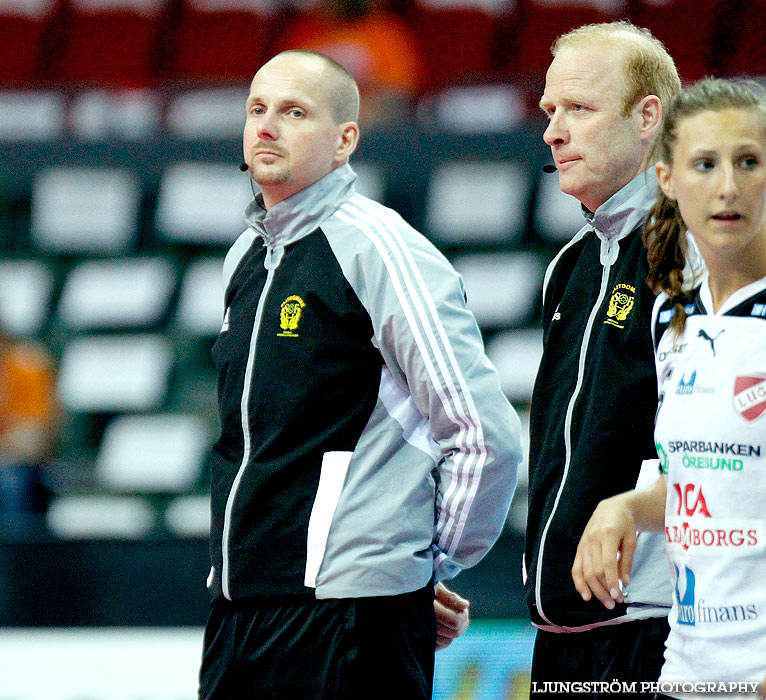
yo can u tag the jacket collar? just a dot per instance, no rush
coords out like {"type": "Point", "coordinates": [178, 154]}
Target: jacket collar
{"type": "Point", "coordinates": [626, 209]}
{"type": "Point", "coordinates": [297, 216]}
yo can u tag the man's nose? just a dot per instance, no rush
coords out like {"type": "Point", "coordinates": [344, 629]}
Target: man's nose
{"type": "Point", "coordinates": [267, 125]}
{"type": "Point", "coordinates": [556, 131]}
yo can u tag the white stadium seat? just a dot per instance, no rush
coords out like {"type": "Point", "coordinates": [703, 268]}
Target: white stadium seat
{"type": "Point", "coordinates": [189, 516]}
{"type": "Point", "coordinates": [114, 373]}
{"type": "Point", "coordinates": [200, 304]}
{"type": "Point", "coordinates": [516, 355]}
{"type": "Point", "coordinates": [119, 293]}
{"type": "Point", "coordinates": [370, 180]}
{"type": "Point", "coordinates": [558, 216]}
{"type": "Point", "coordinates": [202, 203]}
{"type": "Point", "coordinates": [470, 203]}
{"type": "Point", "coordinates": [75, 516]}
{"type": "Point", "coordinates": [501, 287]}
{"type": "Point", "coordinates": [152, 453]}
{"type": "Point", "coordinates": [517, 516]}
{"type": "Point", "coordinates": [25, 292]}
{"type": "Point", "coordinates": [126, 114]}
{"type": "Point", "coordinates": [31, 115]}
{"type": "Point", "coordinates": [85, 210]}
{"type": "Point", "coordinates": [211, 113]}
{"type": "Point", "coordinates": [473, 109]}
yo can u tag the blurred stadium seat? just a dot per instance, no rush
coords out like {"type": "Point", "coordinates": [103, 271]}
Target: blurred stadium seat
{"type": "Point", "coordinates": [79, 210]}
{"type": "Point", "coordinates": [78, 516]}
{"type": "Point", "coordinates": [107, 43]}
{"type": "Point", "coordinates": [114, 373]}
{"type": "Point", "coordinates": [558, 216]}
{"type": "Point", "coordinates": [25, 294]}
{"type": "Point", "coordinates": [670, 21]}
{"type": "Point", "coordinates": [459, 38]}
{"type": "Point", "coordinates": [516, 354]}
{"type": "Point", "coordinates": [477, 203]}
{"type": "Point", "coordinates": [207, 114]}
{"type": "Point", "coordinates": [157, 453]}
{"type": "Point", "coordinates": [739, 40]}
{"type": "Point", "coordinates": [31, 115]}
{"type": "Point", "coordinates": [200, 305]}
{"type": "Point", "coordinates": [541, 21]}
{"type": "Point", "coordinates": [371, 181]}
{"type": "Point", "coordinates": [202, 204]}
{"type": "Point", "coordinates": [219, 41]}
{"type": "Point", "coordinates": [517, 516]}
{"type": "Point", "coordinates": [22, 28]}
{"type": "Point", "coordinates": [124, 114]}
{"type": "Point", "coordinates": [501, 288]}
{"type": "Point", "coordinates": [116, 294]}
{"type": "Point", "coordinates": [189, 516]}
{"type": "Point", "coordinates": [474, 109]}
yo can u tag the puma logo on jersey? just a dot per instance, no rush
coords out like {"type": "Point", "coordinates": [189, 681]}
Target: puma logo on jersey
{"type": "Point", "coordinates": [702, 334]}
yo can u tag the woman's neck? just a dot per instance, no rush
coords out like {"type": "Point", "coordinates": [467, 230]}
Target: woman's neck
{"type": "Point", "coordinates": [729, 273]}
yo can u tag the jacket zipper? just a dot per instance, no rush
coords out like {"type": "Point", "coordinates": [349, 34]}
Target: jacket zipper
{"type": "Point", "coordinates": [273, 257]}
{"type": "Point", "coordinates": [608, 255]}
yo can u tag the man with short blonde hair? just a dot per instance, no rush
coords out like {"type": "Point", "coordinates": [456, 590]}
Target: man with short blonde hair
{"type": "Point", "coordinates": [648, 68]}
{"type": "Point", "coordinates": [595, 396]}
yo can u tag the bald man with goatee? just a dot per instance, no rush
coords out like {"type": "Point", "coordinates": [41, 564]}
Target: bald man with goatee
{"type": "Point", "coordinates": [367, 451]}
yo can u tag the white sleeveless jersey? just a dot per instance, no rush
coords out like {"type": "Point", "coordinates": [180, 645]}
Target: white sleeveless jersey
{"type": "Point", "coordinates": [711, 439]}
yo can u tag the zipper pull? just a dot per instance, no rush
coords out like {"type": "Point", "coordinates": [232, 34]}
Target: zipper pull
{"type": "Point", "coordinates": [609, 250]}
{"type": "Point", "coordinates": [273, 256]}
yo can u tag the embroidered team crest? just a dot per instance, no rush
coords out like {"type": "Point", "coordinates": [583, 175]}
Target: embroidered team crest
{"type": "Point", "coordinates": [750, 396]}
{"type": "Point", "coordinates": [620, 304]}
{"type": "Point", "coordinates": [290, 316]}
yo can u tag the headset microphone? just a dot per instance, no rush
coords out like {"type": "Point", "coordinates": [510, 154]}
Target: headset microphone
{"type": "Point", "coordinates": [549, 168]}
{"type": "Point", "coordinates": [244, 167]}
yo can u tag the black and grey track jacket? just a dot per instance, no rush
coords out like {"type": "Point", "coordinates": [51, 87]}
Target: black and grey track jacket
{"type": "Point", "coordinates": [593, 409]}
{"type": "Point", "coordinates": [366, 446]}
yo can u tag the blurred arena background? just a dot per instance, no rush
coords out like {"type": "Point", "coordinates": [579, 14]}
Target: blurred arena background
{"type": "Point", "coordinates": [120, 126]}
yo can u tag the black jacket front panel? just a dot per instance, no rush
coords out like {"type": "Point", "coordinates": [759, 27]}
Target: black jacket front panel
{"type": "Point", "coordinates": [293, 382]}
{"type": "Point", "coordinates": [610, 424]}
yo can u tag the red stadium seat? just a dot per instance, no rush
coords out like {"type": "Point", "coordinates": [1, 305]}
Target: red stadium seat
{"type": "Point", "coordinates": [686, 27]}
{"type": "Point", "coordinates": [459, 41]}
{"type": "Point", "coordinates": [739, 46]}
{"type": "Point", "coordinates": [108, 43]}
{"type": "Point", "coordinates": [22, 26]}
{"type": "Point", "coordinates": [542, 21]}
{"type": "Point", "coordinates": [219, 41]}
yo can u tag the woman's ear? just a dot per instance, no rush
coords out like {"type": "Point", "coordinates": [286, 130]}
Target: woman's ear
{"type": "Point", "coordinates": [663, 177]}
